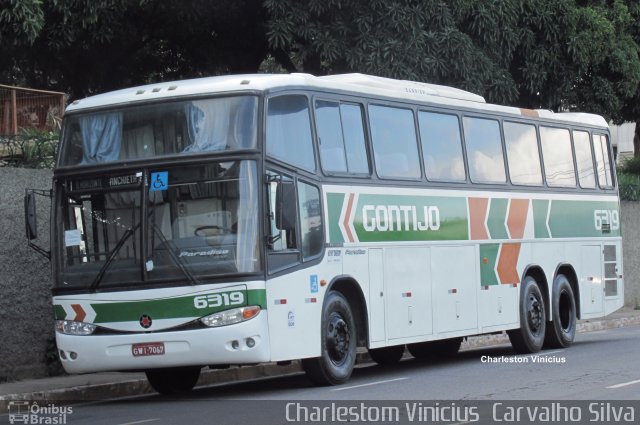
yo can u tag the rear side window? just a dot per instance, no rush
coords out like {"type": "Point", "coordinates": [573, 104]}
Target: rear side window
{"type": "Point", "coordinates": [289, 131]}
{"type": "Point", "coordinates": [522, 153]}
{"type": "Point", "coordinates": [584, 159]}
{"type": "Point", "coordinates": [441, 146]}
{"type": "Point", "coordinates": [603, 162]}
{"type": "Point", "coordinates": [395, 147]}
{"type": "Point", "coordinates": [557, 157]}
{"type": "Point", "coordinates": [341, 137]}
{"type": "Point", "coordinates": [484, 150]}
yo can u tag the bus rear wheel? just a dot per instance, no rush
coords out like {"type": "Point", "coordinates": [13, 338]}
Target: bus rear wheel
{"type": "Point", "coordinates": [562, 329]}
{"type": "Point", "coordinates": [529, 338]}
{"type": "Point", "coordinates": [175, 380]}
{"type": "Point", "coordinates": [337, 345]}
{"type": "Point", "coordinates": [435, 349]}
{"type": "Point", "coordinates": [387, 355]}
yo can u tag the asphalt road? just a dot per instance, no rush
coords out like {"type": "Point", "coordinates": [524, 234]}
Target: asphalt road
{"type": "Point", "coordinates": [599, 367]}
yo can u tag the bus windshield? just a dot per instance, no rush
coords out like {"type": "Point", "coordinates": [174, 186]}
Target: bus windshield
{"type": "Point", "coordinates": [200, 222]}
{"type": "Point", "coordinates": [152, 130]}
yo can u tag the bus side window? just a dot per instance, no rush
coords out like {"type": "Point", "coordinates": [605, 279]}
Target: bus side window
{"type": "Point", "coordinates": [288, 133]}
{"type": "Point", "coordinates": [601, 148]}
{"type": "Point", "coordinates": [584, 159]}
{"type": "Point", "coordinates": [341, 137]}
{"type": "Point", "coordinates": [557, 157]}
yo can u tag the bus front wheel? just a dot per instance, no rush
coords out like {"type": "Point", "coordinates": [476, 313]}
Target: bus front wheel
{"type": "Point", "coordinates": [562, 329]}
{"type": "Point", "coordinates": [530, 337]}
{"type": "Point", "coordinates": [337, 344]}
{"type": "Point", "coordinates": [175, 380]}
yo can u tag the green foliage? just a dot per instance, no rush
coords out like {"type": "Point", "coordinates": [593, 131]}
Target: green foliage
{"type": "Point", "coordinates": [630, 166]}
{"type": "Point", "coordinates": [31, 149]}
{"type": "Point", "coordinates": [552, 54]}
{"type": "Point", "coordinates": [629, 186]}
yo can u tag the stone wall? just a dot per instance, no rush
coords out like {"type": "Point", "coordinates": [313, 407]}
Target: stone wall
{"type": "Point", "coordinates": [630, 212]}
{"type": "Point", "coordinates": [26, 329]}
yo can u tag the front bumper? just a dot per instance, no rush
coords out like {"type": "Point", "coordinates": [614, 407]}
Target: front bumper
{"type": "Point", "coordinates": [201, 347]}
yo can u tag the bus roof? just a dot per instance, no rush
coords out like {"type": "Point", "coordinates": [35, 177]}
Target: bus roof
{"type": "Point", "coordinates": [358, 84]}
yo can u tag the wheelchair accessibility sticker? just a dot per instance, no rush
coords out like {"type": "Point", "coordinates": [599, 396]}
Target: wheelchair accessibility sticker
{"type": "Point", "coordinates": [159, 181]}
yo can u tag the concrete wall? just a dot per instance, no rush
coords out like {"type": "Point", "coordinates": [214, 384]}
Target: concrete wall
{"type": "Point", "coordinates": [631, 252]}
{"type": "Point", "coordinates": [25, 279]}
{"type": "Point", "coordinates": [26, 328]}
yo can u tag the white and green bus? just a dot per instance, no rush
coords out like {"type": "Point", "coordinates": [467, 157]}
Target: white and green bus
{"type": "Point", "coordinates": [266, 218]}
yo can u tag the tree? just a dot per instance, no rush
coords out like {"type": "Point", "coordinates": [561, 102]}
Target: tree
{"type": "Point", "coordinates": [552, 54]}
{"type": "Point", "coordinates": [87, 46]}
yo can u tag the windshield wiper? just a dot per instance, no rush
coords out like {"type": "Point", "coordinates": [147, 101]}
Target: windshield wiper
{"type": "Point", "coordinates": [174, 257]}
{"type": "Point", "coordinates": [112, 256]}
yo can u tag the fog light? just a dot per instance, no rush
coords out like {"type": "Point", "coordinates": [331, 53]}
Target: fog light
{"type": "Point", "coordinates": [63, 355]}
{"type": "Point", "coordinates": [73, 355]}
{"type": "Point", "coordinates": [235, 345]}
{"type": "Point", "coordinates": [251, 342]}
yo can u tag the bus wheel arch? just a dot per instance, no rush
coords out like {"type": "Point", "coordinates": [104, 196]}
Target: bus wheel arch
{"type": "Point", "coordinates": [350, 289]}
{"type": "Point", "coordinates": [564, 313]}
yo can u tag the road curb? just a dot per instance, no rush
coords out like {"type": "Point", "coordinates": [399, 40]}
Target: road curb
{"type": "Point", "coordinates": [133, 387]}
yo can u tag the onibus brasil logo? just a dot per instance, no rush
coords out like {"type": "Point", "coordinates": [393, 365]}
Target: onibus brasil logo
{"type": "Point", "coordinates": [31, 412]}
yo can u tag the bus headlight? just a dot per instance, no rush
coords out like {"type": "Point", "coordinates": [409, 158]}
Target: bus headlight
{"type": "Point", "coordinates": [230, 317]}
{"type": "Point", "coordinates": [71, 327]}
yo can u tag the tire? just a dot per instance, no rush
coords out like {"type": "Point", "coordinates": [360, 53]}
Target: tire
{"type": "Point", "coordinates": [435, 349]}
{"type": "Point", "coordinates": [387, 355]}
{"type": "Point", "coordinates": [337, 345]}
{"type": "Point", "coordinates": [175, 380]}
{"type": "Point", "coordinates": [530, 337]}
{"type": "Point", "coordinates": [562, 329]}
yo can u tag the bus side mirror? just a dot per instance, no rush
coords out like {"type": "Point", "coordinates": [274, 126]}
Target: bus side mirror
{"type": "Point", "coordinates": [30, 217]}
{"type": "Point", "coordinates": [285, 206]}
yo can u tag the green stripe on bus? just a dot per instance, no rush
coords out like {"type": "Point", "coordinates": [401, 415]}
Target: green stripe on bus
{"type": "Point", "coordinates": [58, 312]}
{"type": "Point", "coordinates": [488, 258]}
{"type": "Point", "coordinates": [169, 308]}
{"type": "Point", "coordinates": [540, 208]}
{"type": "Point", "coordinates": [496, 218]}
{"type": "Point", "coordinates": [394, 218]}
{"type": "Point", "coordinates": [570, 219]}
{"type": "Point", "coordinates": [334, 207]}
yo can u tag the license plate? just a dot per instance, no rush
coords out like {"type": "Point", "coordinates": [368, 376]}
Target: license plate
{"type": "Point", "coordinates": [148, 349]}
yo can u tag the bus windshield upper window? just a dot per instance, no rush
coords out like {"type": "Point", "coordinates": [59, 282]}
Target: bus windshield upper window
{"type": "Point", "coordinates": [522, 153]}
{"type": "Point", "coordinates": [441, 146]}
{"type": "Point", "coordinates": [394, 142]}
{"type": "Point", "coordinates": [584, 159]}
{"type": "Point", "coordinates": [557, 157]}
{"type": "Point", "coordinates": [160, 129]}
{"type": "Point", "coordinates": [484, 150]}
{"type": "Point", "coordinates": [289, 131]}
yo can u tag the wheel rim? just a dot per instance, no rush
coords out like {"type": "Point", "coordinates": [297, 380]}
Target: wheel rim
{"type": "Point", "coordinates": [534, 314]}
{"type": "Point", "coordinates": [338, 339]}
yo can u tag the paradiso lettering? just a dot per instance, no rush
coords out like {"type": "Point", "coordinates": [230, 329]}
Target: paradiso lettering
{"type": "Point", "coordinates": [389, 218]}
